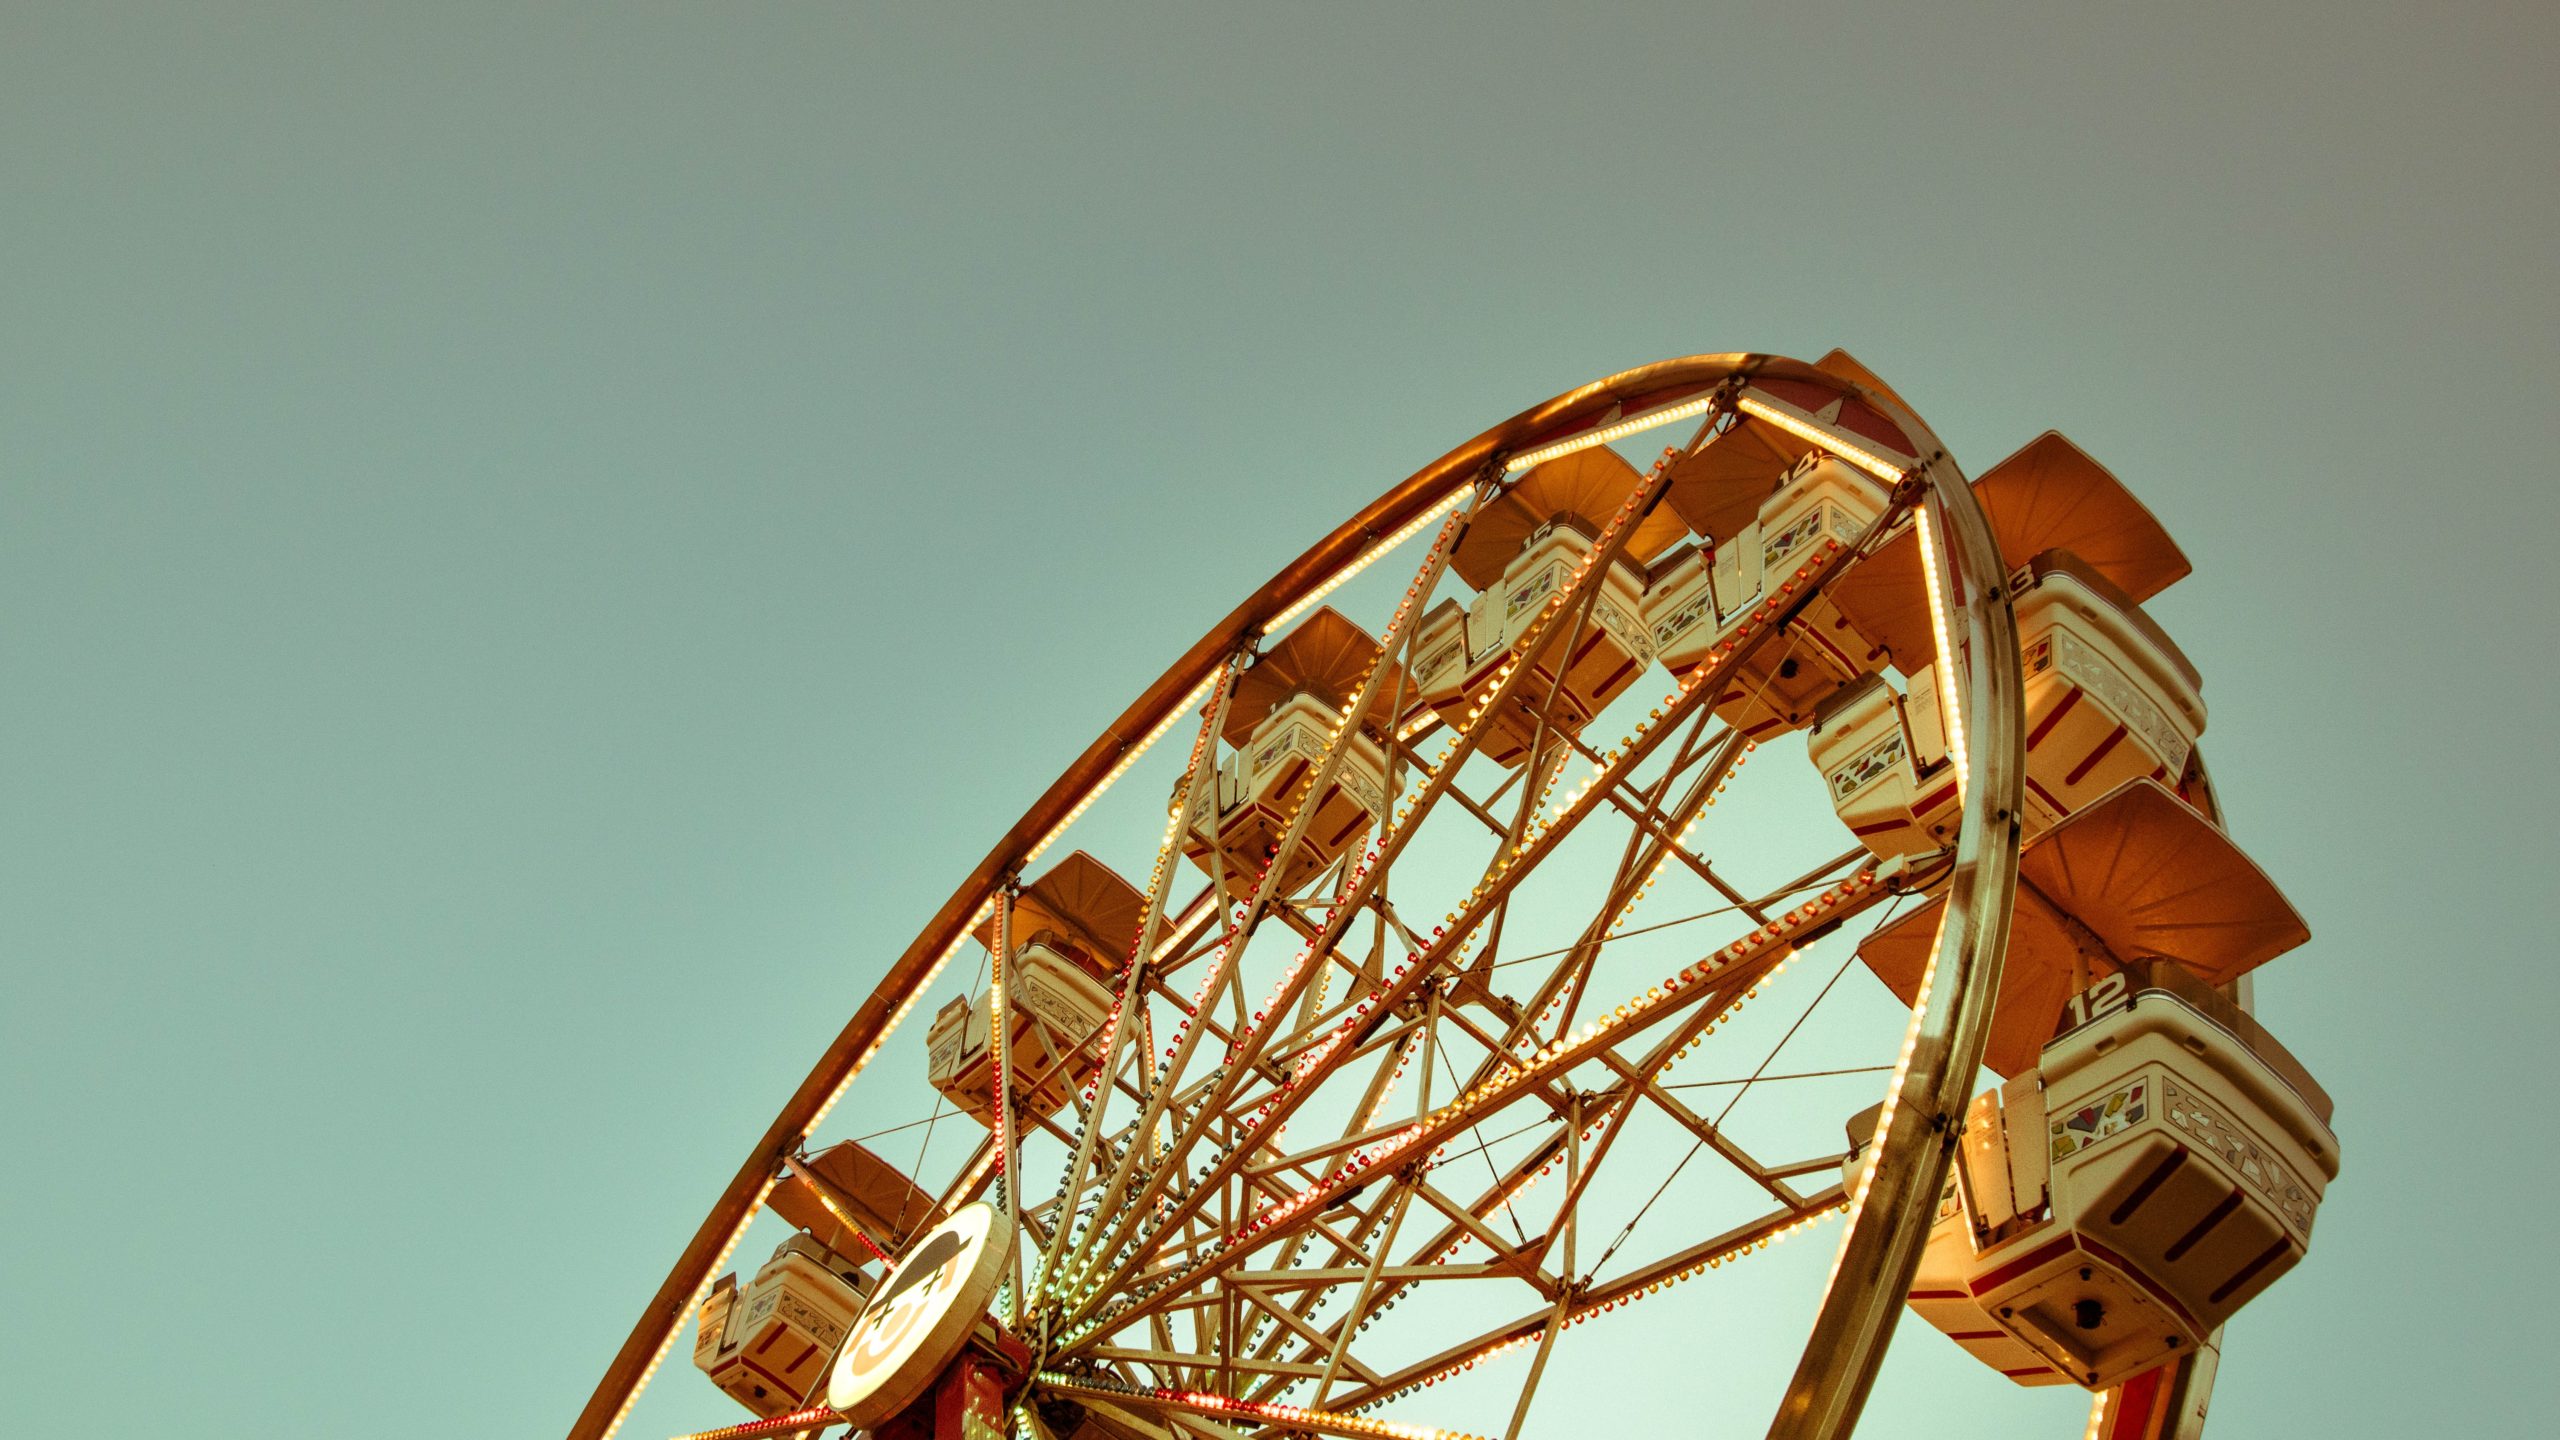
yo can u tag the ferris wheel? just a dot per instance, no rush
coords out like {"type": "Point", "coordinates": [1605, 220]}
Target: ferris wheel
{"type": "Point", "coordinates": [1461, 984]}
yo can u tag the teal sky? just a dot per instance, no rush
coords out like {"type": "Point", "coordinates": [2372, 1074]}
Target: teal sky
{"type": "Point", "coordinates": [538, 543]}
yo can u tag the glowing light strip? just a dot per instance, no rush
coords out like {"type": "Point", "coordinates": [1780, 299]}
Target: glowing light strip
{"type": "Point", "coordinates": [847, 1222]}
{"type": "Point", "coordinates": [1405, 1049]}
{"type": "Point", "coordinates": [2098, 1408]}
{"type": "Point", "coordinates": [1619, 431]}
{"type": "Point", "coordinates": [1411, 528]}
{"type": "Point", "coordinates": [1953, 723]}
{"type": "Point", "coordinates": [1332, 1421]}
{"type": "Point", "coordinates": [1131, 756]}
{"type": "Point", "coordinates": [778, 1425]}
{"type": "Point", "coordinates": [675, 1326]}
{"type": "Point", "coordinates": [1183, 929]}
{"type": "Point", "coordinates": [1847, 449]}
{"type": "Point", "coordinates": [1000, 1015]}
{"type": "Point", "coordinates": [1203, 760]}
{"type": "Point", "coordinates": [1884, 1115]}
{"type": "Point", "coordinates": [969, 1181]}
{"type": "Point", "coordinates": [1941, 614]}
{"type": "Point", "coordinates": [906, 1007]}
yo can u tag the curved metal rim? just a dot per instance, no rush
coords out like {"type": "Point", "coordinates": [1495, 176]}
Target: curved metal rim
{"type": "Point", "coordinates": [1583, 408]}
{"type": "Point", "coordinates": [1951, 1016]}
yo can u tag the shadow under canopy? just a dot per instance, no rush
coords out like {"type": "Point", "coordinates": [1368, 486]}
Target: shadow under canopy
{"type": "Point", "coordinates": [2137, 876]}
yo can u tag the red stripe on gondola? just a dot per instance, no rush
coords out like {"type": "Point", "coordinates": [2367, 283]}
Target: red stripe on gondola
{"type": "Point", "coordinates": [2045, 726]}
{"type": "Point", "coordinates": [2133, 1272]}
{"type": "Point", "coordinates": [2047, 797]}
{"type": "Point", "coordinates": [2049, 1251]}
{"type": "Point", "coordinates": [785, 1386]}
{"type": "Point", "coordinates": [2091, 763]}
{"type": "Point", "coordinates": [1615, 677]}
{"type": "Point", "coordinates": [2248, 1272]}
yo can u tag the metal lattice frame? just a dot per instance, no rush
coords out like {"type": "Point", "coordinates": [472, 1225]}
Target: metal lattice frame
{"type": "Point", "coordinates": [1198, 1267]}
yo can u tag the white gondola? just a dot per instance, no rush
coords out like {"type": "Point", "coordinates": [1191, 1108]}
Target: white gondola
{"type": "Point", "coordinates": [1280, 719]}
{"type": "Point", "coordinates": [1778, 495]}
{"type": "Point", "coordinates": [1520, 551]}
{"type": "Point", "coordinates": [2156, 1158]}
{"type": "Point", "coordinates": [1883, 758]}
{"type": "Point", "coordinates": [768, 1345]}
{"type": "Point", "coordinates": [2108, 1211]}
{"type": "Point", "coordinates": [1700, 598]}
{"type": "Point", "coordinates": [1072, 929]}
{"type": "Point", "coordinates": [2109, 697]}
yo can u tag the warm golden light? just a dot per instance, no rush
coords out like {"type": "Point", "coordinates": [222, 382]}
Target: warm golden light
{"type": "Point", "coordinates": [1941, 628]}
{"type": "Point", "coordinates": [676, 1324]}
{"type": "Point", "coordinates": [1634, 424]}
{"type": "Point", "coordinates": [1874, 464]}
{"type": "Point", "coordinates": [1411, 528]}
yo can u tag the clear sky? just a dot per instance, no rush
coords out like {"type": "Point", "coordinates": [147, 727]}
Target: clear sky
{"type": "Point", "coordinates": [538, 542]}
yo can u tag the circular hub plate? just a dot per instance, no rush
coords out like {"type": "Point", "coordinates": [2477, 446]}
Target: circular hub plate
{"type": "Point", "coordinates": [921, 1317]}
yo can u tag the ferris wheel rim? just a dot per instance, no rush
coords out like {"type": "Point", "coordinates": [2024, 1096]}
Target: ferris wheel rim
{"type": "Point", "coordinates": [1582, 411]}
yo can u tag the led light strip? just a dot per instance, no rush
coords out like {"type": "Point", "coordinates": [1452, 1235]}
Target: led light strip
{"type": "Point", "coordinates": [847, 1222]}
{"type": "Point", "coordinates": [1941, 623]}
{"type": "Point", "coordinates": [1202, 762]}
{"type": "Point", "coordinates": [968, 1182]}
{"type": "Point", "coordinates": [1868, 460]}
{"type": "Point", "coordinates": [1411, 528]}
{"type": "Point", "coordinates": [1000, 1044]}
{"type": "Point", "coordinates": [906, 1007]}
{"type": "Point", "coordinates": [675, 1326]}
{"type": "Point", "coordinates": [1185, 928]}
{"type": "Point", "coordinates": [1619, 431]}
{"type": "Point", "coordinates": [2099, 1405]}
{"type": "Point", "coordinates": [778, 1425]}
{"type": "Point", "coordinates": [1405, 1051]}
{"type": "Point", "coordinates": [1332, 1422]}
{"type": "Point", "coordinates": [1884, 1115]}
{"type": "Point", "coordinates": [1129, 757]}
